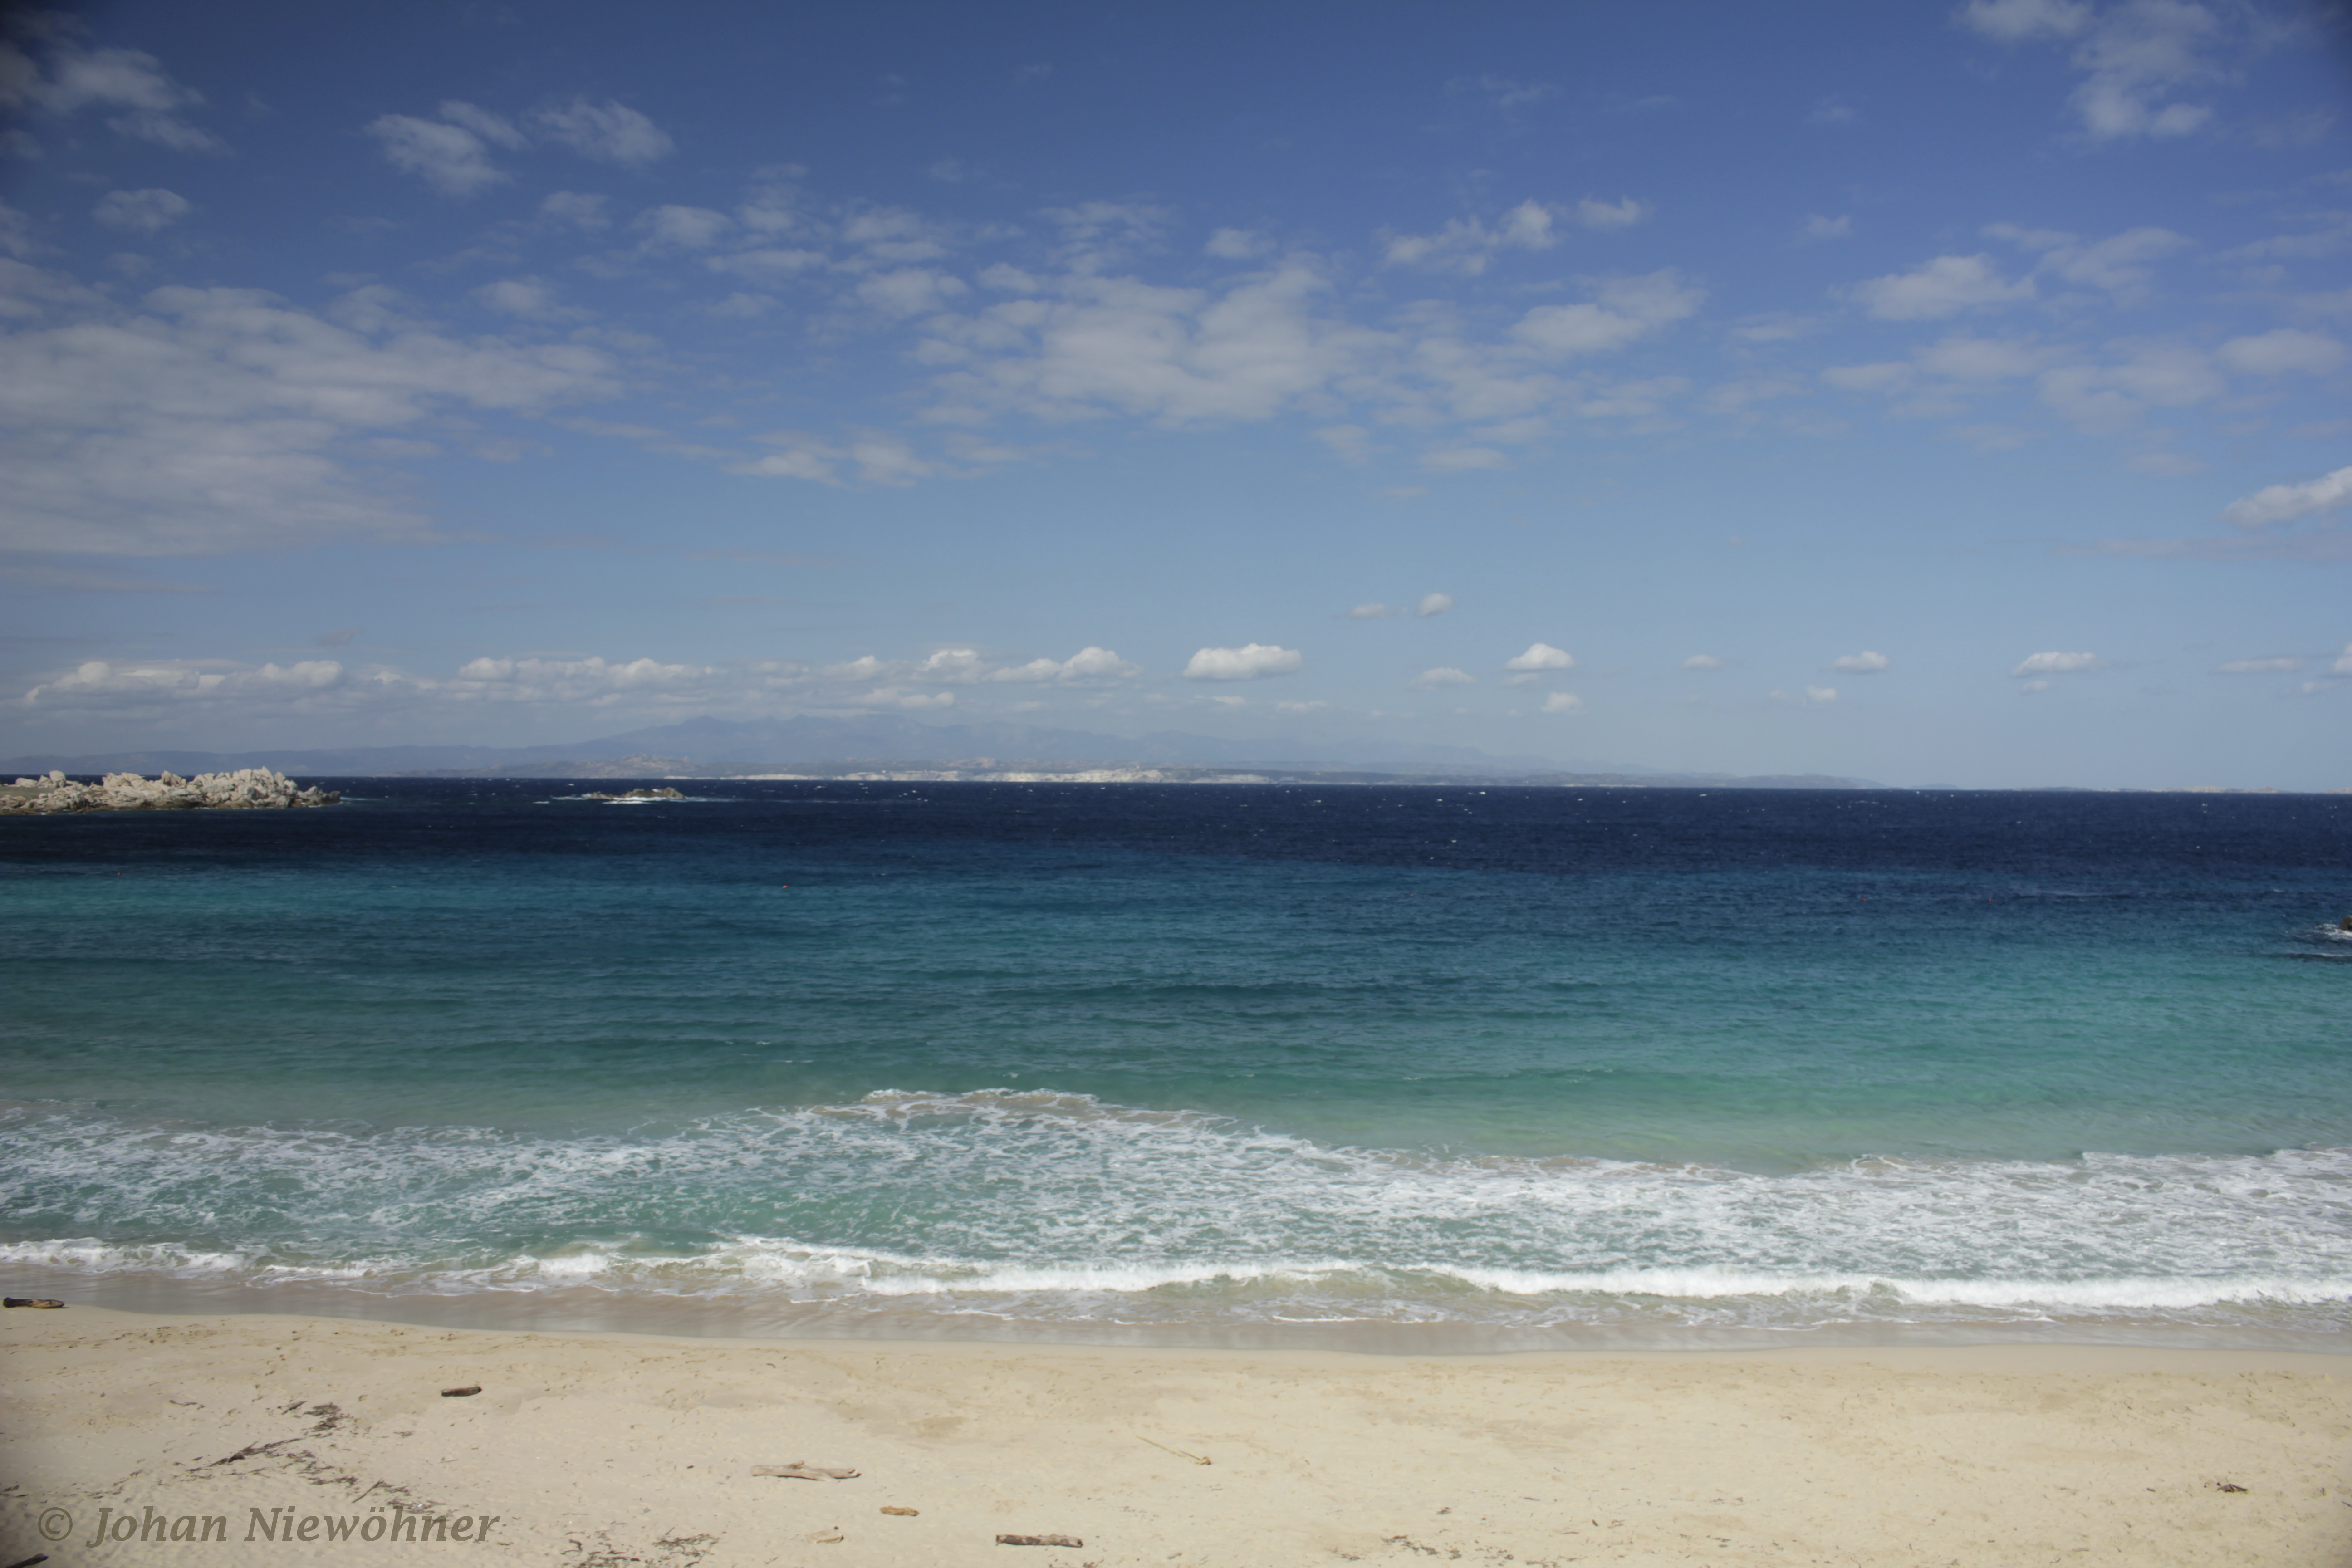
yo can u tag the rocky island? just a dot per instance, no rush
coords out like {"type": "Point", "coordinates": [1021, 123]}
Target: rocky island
{"type": "Point", "coordinates": [247, 789]}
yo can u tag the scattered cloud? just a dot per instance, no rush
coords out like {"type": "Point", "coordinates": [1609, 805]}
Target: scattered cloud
{"type": "Point", "coordinates": [1622, 213]}
{"type": "Point", "coordinates": [452, 151]}
{"type": "Point", "coordinates": [2058, 664]}
{"type": "Point", "coordinates": [1821, 694]}
{"type": "Point", "coordinates": [1539, 655]}
{"type": "Point", "coordinates": [674, 227]}
{"type": "Point", "coordinates": [1373, 612]}
{"type": "Point", "coordinates": [1090, 666]}
{"type": "Point", "coordinates": [2289, 351]}
{"type": "Point", "coordinates": [141, 212]}
{"type": "Point", "coordinates": [1563, 702]}
{"type": "Point", "coordinates": [2135, 56]}
{"type": "Point", "coordinates": [2284, 503]}
{"type": "Point", "coordinates": [1944, 287]}
{"type": "Point", "coordinates": [1442, 675]}
{"type": "Point", "coordinates": [1465, 246]}
{"type": "Point", "coordinates": [1623, 309]}
{"type": "Point", "coordinates": [147, 104]}
{"type": "Point", "coordinates": [1703, 661]}
{"type": "Point", "coordinates": [1251, 662]}
{"type": "Point", "coordinates": [1237, 245]}
{"type": "Point", "coordinates": [2274, 666]}
{"type": "Point", "coordinates": [1433, 605]}
{"type": "Point", "coordinates": [1817, 229]}
{"type": "Point", "coordinates": [610, 133]}
{"type": "Point", "coordinates": [450, 158]}
{"type": "Point", "coordinates": [1864, 663]}
{"type": "Point", "coordinates": [208, 420]}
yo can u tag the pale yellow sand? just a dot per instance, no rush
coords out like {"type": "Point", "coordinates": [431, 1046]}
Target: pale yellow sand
{"type": "Point", "coordinates": [599, 1452]}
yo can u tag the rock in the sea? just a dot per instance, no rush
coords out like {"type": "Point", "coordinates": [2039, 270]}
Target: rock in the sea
{"type": "Point", "coordinates": [245, 790]}
{"type": "Point", "coordinates": [663, 794]}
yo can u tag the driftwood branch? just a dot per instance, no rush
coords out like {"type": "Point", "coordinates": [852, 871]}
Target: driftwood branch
{"type": "Point", "coordinates": [796, 1471]}
{"type": "Point", "coordinates": [1039, 1541]}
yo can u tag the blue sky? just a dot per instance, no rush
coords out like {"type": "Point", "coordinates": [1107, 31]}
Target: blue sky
{"type": "Point", "coordinates": [1925, 393]}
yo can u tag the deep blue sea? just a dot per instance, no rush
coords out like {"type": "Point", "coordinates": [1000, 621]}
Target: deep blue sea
{"type": "Point", "coordinates": [1394, 1068]}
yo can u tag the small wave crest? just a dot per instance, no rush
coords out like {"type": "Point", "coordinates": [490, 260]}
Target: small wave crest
{"type": "Point", "coordinates": [1051, 1204]}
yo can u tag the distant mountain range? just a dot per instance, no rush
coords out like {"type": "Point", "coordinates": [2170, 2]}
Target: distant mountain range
{"type": "Point", "coordinates": [881, 742]}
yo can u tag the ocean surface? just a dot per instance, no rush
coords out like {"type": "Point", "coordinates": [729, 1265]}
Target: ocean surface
{"type": "Point", "coordinates": [1425, 1068]}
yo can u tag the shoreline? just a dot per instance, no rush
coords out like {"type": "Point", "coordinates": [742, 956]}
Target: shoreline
{"type": "Point", "coordinates": [910, 1320]}
{"type": "Point", "coordinates": [605, 1449]}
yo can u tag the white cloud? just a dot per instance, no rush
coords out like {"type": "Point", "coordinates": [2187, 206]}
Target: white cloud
{"type": "Point", "coordinates": [1089, 666]}
{"type": "Point", "coordinates": [1444, 675]}
{"type": "Point", "coordinates": [1627, 309]}
{"type": "Point", "coordinates": [609, 131]}
{"type": "Point", "coordinates": [495, 129]}
{"type": "Point", "coordinates": [2287, 352]}
{"type": "Point", "coordinates": [2135, 55]}
{"type": "Point", "coordinates": [141, 212]}
{"type": "Point", "coordinates": [1179, 355]}
{"type": "Point", "coordinates": [212, 420]}
{"type": "Point", "coordinates": [1864, 663]}
{"type": "Point", "coordinates": [68, 78]}
{"type": "Point", "coordinates": [1962, 357]}
{"type": "Point", "coordinates": [1944, 287]}
{"type": "Point", "coordinates": [1433, 605]}
{"type": "Point", "coordinates": [1821, 694]}
{"type": "Point", "coordinates": [2110, 396]}
{"type": "Point", "coordinates": [2118, 264]}
{"type": "Point", "coordinates": [1624, 213]}
{"type": "Point", "coordinates": [1703, 661]}
{"type": "Point", "coordinates": [450, 158]}
{"type": "Point", "coordinates": [960, 665]}
{"type": "Point", "coordinates": [1817, 229]}
{"type": "Point", "coordinates": [1237, 245]}
{"type": "Point", "coordinates": [1373, 612]}
{"type": "Point", "coordinates": [2031, 685]}
{"type": "Point", "coordinates": [1563, 702]}
{"type": "Point", "coordinates": [452, 154]}
{"type": "Point", "coordinates": [531, 298]}
{"type": "Point", "coordinates": [1466, 245]}
{"type": "Point", "coordinates": [2259, 665]}
{"type": "Point", "coordinates": [2343, 664]}
{"type": "Point", "coordinates": [683, 228]}
{"type": "Point", "coordinates": [2013, 20]}
{"type": "Point", "coordinates": [910, 290]}
{"type": "Point", "coordinates": [100, 684]}
{"type": "Point", "coordinates": [2058, 664]}
{"type": "Point", "coordinates": [897, 699]}
{"type": "Point", "coordinates": [2284, 503]}
{"type": "Point", "coordinates": [1539, 655]}
{"type": "Point", "coordinates": [1252, 661]}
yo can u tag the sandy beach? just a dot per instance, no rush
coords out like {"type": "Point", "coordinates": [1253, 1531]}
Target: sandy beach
{"type": "Point", "coordinates": [622, 1450]}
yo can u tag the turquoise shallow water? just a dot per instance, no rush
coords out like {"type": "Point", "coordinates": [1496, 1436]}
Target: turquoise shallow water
{"type": "Point", "coordinates": [1522, 1066]}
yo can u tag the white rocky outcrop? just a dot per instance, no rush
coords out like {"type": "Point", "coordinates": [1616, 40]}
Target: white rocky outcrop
{"type": "Point", "coordinates": [245, 790]}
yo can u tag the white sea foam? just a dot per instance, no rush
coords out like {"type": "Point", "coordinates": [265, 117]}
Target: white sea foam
{"type": "Point", "coordinates": [1043, 1204]}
